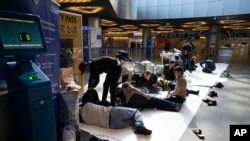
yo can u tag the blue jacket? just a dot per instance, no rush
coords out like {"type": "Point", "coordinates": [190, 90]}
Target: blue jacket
{"type": "Point", "coordinates": [209, 64]}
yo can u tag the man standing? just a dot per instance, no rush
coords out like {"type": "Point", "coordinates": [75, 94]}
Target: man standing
{"type": "Point", "coordinates": [103, 64]}
{"type": "Point", "coordinates": [208, 65]}
{"type": "Point", "coordinates": [186, 53]}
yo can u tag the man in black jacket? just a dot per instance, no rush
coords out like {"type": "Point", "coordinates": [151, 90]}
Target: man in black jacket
{"type": "Point", "coordinates": [103, 64]}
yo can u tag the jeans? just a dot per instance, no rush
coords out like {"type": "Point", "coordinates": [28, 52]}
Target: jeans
{"type": "Point", "coordinates": [152, 89]}
{"type": "Point", "coordinates": [122, 117]}
{"type": "Point", "coordinates": [138, 101]}
{"type": "Point", "coordinates": [176, 99]}
{"type": "Point", "coordinates": [186, 61]}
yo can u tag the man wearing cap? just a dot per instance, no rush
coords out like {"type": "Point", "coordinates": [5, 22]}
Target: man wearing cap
{"type": "Point", "coordinates": [104, 64]}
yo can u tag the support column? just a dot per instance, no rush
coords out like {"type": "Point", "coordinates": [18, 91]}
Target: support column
{"type": "Point", "coordinates": [147, 42]}
{"type": "Point", "coordinates": [213, 40]}
{"type": "Point", "coordinates": [95, 36]}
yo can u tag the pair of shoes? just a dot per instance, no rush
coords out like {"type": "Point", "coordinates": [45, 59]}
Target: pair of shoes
{"type": "Point", "coordinates": [207, 99]}
{"type": "Point", "coordinates": [210, 101]}
{"type": "Point", "coordinates": [198, 133]}
{"type": "Point", "coordinates": [228, 75]}
{"type": "Point", "coordinates": [213, 94]}
{"type": "Point", "coordinates": [219, 85]}
{"type": "Point", "coordinates": [142, 130]}
{"type": "Point", "coordinates": [178, 107]}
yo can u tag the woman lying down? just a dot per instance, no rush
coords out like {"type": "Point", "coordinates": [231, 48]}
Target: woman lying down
{"type": "Point", "coordinates": [112, 117]}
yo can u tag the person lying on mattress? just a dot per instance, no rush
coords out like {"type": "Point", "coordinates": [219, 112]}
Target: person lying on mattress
{"type": "Point", "coordinates": [112, 117]}
{"type": "Point", "coordinates": [208, 65]}
{"type": "Point", "coordinates": [139, 99]}
{"type": "Point", "coordinates": [178, 95]}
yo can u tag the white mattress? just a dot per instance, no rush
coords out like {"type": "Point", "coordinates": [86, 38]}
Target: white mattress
{"type": "Point", "coordinates": [165, 125]}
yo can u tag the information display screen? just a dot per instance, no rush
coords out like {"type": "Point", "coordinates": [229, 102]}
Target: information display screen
{"type": "Point", "coordinates": [20, 34]}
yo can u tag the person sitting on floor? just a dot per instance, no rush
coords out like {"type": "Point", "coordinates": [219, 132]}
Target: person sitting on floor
{"type": "Point", "coordinates": [208, 65]}
{"type": "Point", "coordinates": [138, 99]}
{"type": "Point", "coordinates": [168, 71]}
{"type": "Point", "coordinates": [112, 117]}
{"type": "Point", "coordinates": [147, 82]}
{"type": "Point", "coordinates": [169, 82]}
{"type": "Point", "coordinates": [178, 95]}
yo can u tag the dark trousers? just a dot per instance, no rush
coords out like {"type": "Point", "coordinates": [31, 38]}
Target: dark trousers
{"type": "Point", "coordinates": [110, 84]}
{"type": "Point", "coordinates": [138, 101]}
{"type": "Point", "coordinates": [176, 99]}
{"type": "Point", "coordinates": [186, 62]}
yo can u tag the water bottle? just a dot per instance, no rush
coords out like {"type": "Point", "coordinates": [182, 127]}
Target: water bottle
{"type": "Point", "coordinates": [69, 134]}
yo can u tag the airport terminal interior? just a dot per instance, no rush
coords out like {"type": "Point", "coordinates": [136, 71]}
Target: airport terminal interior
{"type": "Point", "coordinates": [43, 42]}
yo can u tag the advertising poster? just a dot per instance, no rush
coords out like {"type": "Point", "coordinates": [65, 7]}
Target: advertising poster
{"type": "Point", "coordinates": [71, 50]}
{"type": "Point", "coordinates": [48, 62]}
{"type": "Point", "coordinates": [95, 37]}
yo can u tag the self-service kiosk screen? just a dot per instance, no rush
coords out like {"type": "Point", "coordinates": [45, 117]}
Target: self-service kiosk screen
{"type": "Point", "coordinates": [20, 34]}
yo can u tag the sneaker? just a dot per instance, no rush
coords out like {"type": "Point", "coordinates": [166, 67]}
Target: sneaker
{"type": "Point", "coordinates": [142, 130]}
{"type": "Point", "coordinates": [212, 103]}
{"type": "Point", "coordinates": [213, 94]}
{"type": "Point", "coordinates": [219, 85]}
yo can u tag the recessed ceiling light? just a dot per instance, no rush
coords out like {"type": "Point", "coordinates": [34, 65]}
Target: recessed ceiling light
{"type": "Point", "coordinates": [149, 25]}
{"type": "Point", "coordinates": [85, 9]}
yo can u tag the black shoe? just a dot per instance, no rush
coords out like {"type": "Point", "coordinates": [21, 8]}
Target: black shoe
{"type": "Point", "coordinates": [213, 94]}
{"type": "Point", "coordinates": [219, 85]}
{"type": "Point", "coordinates": [212, 103]}
{"type": "Point", "coordinates": [142, 130]}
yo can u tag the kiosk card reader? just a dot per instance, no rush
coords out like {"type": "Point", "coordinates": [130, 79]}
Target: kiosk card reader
{"type": "Point", "coordinates": [29, 88]}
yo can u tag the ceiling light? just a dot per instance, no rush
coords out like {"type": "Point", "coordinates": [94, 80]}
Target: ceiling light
{"type": "Point", "coordinates": [126, 26]}
{"type": "Point", "coordinates": [195, 23]}
{"type": "Point", "coordinates": [104, 24]}
{"type": "Point", "coordinates": [231, 21]}
{"type": "Point", "coordinates": [106, 21]}
{"type": "Point", "coordinates": [149, 25]}
{"type": "Point", "coordinates": [115, 29]}
{"type": "Point", "coordinates": [85, 9]}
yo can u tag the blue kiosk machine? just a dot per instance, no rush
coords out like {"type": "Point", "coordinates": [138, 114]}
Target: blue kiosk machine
{"type": "Point", "coordinates": [29, 89]}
